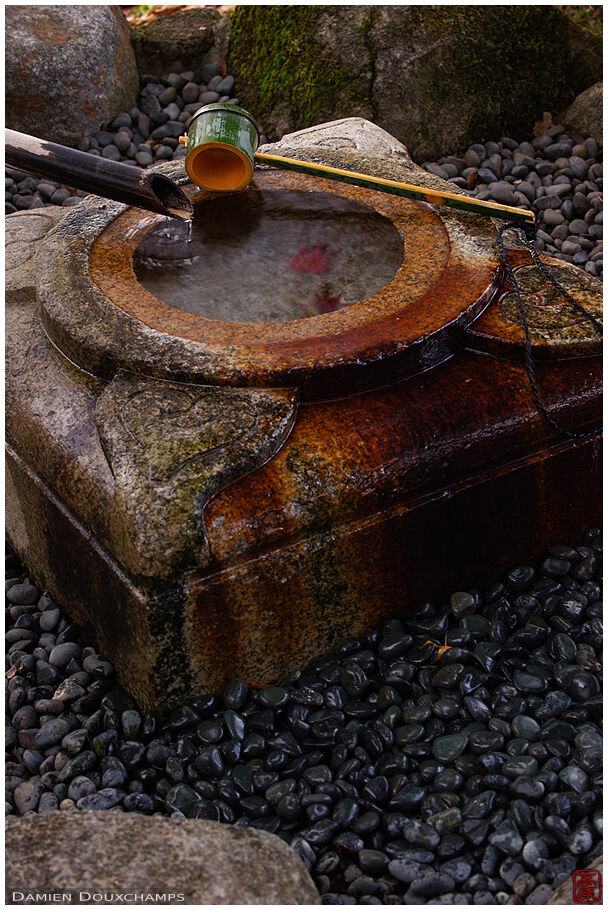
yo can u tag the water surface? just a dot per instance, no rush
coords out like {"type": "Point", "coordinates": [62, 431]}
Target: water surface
{"type": "Point", "coordinates": [270, 256]}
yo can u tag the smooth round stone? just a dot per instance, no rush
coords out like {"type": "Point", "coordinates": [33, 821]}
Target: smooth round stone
{"type": "Point", "coordinates": [591, 760]}
{"type": "Point", "coordinates": [481, 741]}
{"type": "Point", "coordinates": [447, 748]}
{"type": "Point", "coordinates": [79, 787]}
{"type": "Point", "coordinates": [521, 578]}
{"type": "Point", "coordinates": [49, 620]}
{"type": "Point", "coordinates": [507, 838]}
{"type": "Point", "coordinates": [27, 796]}
{"type": "Point", "coordinates": [448, 677]}
{"type": "Point", "coordinates": [574, 778]}
{"type": "Point", "coordinates": [62, 654]}
{"type": "Point", "coordinates": [23, 594]}
{"type": "Point", "coordinates": [69, 690]}
{"type": "Point", "coordinates": [475, 830]}
{"type": "Point", "coordinates": [103, 799]}
{"type": "Point", "coordinates": [387, 698]}
{"type": "Point", "coordinates": [345, 812]}
{"type": "Point", "coordinates": [354, 679]}
{"type": "Point", "coordinates": [111, 152]}
{"type": "Point", "coordinates": [393, 717]}
{"type": "Point", "coordinates": [588, 739]}
{"type": "Point", "coordinates": [421, 835]}
{"type": "Point", "coordinates": [235, 694]}
{"type": "Point", "coordinates": [52, 732]}
{"type": "Point", "coordinates": [458, 869]}
{"type": "Point", "coordinates": [509, 870]}
{"type": "Point", "coordinates": [408, 734]}
{"type": "Point", "coordinates": [416, 713]}
{"type": "Point", "coordinates": [210, 762]}
{"type": "Point", "coordinates": [525, 727]}
{"type": "Point", "coordinates": [527, 788]}
{"type": "Point", "coordinates": [448, 781]}
{"type": "Point", "coordinates": [255, 806]}
{"type": "Point", "coordinates": [446, 820]}
{"type": "Point", "coordinates": [451, 845]}
{"type": "Point", "coordinates": [372, 862]}
{"type": "Point", "coordinates": [581, 840]}
{"type": "Point", "coordinates": [446, 708]}
{"type": "Point", "coordinates": [481, 805]}
{"type": "Point", "coordinates": [502, 192]}
{"type": "Point", "coordinates": [407, 870]}
{"type": "Point", "coordinates": [462, 603]}
{"type": "Point", "coordinates": [432, 884]}
{"type": "Point", "coordinates": [520, 766]}
{"type": "Point", "coordinates": [522, 813]}
{"type": "Point", "coordinates": [478, 626]}
{"type": "Point", "coordinates": [394, 644]}
{"type": "Point", "coordinates": [529, 683]}
{"type": "Point", "coordinates": [565, 648]}
{"type": "Point", "coordinates": [555, 567]}
{"type": "Point", "coordinates": [273, 697]}
{"type": "Point", "coordinates": [554, 704]}
{"type": "Point", "coordinates": [583, 685]}
{"type": "Point", "coordinates": [517, 746]}
{"type": "Point", "coordinates": [235, 725]}
{"type": "Point", "coordinates": [210, 731]}
{"type": "Point", "coordinates": [477, 708]}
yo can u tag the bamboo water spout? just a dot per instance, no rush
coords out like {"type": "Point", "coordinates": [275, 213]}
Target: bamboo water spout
{"type": "Point", "coordinates": [110, 179]}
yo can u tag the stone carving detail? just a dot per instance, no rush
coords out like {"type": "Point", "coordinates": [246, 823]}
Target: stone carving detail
{"type": "Point", "coordinates": [551, 318]}
{"type": "Point", "coordinates": [175, 446]}
{"type": "Point", "coordinates": [23, 233]}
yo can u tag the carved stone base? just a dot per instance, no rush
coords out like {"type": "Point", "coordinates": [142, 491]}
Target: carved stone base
{"type": "Point", "coordinates": [212, 499]}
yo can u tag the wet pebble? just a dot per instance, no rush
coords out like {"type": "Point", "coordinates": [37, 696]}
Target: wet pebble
{"type": "Point", "coordinates": [395, 777]}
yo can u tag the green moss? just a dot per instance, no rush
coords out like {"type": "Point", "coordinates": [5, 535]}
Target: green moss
{"type": "Point", "coordinates": [275, 51]}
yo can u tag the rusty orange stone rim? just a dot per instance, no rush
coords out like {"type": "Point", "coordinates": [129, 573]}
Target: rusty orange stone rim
{"type": "Point", "coordinates": [435, 290]}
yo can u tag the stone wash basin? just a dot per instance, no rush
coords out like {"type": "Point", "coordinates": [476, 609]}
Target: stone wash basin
{"type": "Point", "coordinates": [226, 456]}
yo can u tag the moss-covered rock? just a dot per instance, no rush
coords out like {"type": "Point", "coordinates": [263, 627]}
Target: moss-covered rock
{"type": "Point", "coordinates": [298, 65]}
{"type": "Point", "coordinates": [437, 78]}
{"type": "Point", "coordinates": [181, 41]}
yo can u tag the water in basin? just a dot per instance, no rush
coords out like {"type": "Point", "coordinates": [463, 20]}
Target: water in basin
{"type": "Point", "coordinates": [270, 256]}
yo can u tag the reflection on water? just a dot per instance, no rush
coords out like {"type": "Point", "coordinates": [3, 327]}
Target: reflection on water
{"type": "Point", "coordinates": [270, 256]}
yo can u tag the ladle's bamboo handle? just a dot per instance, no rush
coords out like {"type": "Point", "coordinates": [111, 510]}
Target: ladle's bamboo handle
{"type": "Point", "coordinates": [435, 197]}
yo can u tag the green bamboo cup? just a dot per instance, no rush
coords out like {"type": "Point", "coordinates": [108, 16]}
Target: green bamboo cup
{"type": "Point", "coordinates": [222, 141]}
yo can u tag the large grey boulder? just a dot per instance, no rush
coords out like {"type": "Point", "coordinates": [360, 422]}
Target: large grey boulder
{"type": "Point", "coordinates": [437, 78]}
{"type": "Point", "coordinates": [69, 69]}
{"type": "Point", "coordinates": [585, 114]}
{"type": "Point", "coordinates": [180, 41]}
{"type": "Point", "coordinates": [80, 854]}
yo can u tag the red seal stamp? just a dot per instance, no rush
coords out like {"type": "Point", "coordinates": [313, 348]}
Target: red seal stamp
{"type": "Point", "coordinates": [587, 886]}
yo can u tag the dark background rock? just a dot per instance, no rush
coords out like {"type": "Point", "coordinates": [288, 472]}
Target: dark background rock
{"type": "Point", "coordinates": [206, 862]}
{"type": "Point", "coordinates": [184, 40]}
{"type": "Point", "coordinates": [436, 78]}
{"type": "Point", "coordinates": [69, 69]}
{"type": "Point", "coordinates": [585, 114]}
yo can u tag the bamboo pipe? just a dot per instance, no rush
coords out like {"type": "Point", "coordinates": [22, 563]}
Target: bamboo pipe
{"type": "Point", "coordinates": [94, 174]}
{"type": "Point", "coordinates": [395, 188]}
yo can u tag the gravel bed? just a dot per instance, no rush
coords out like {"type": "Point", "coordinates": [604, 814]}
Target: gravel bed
{"type": "Point", "coordinates": [401, 770]}
{"type": "Point", "coordinates": [557, 175]}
